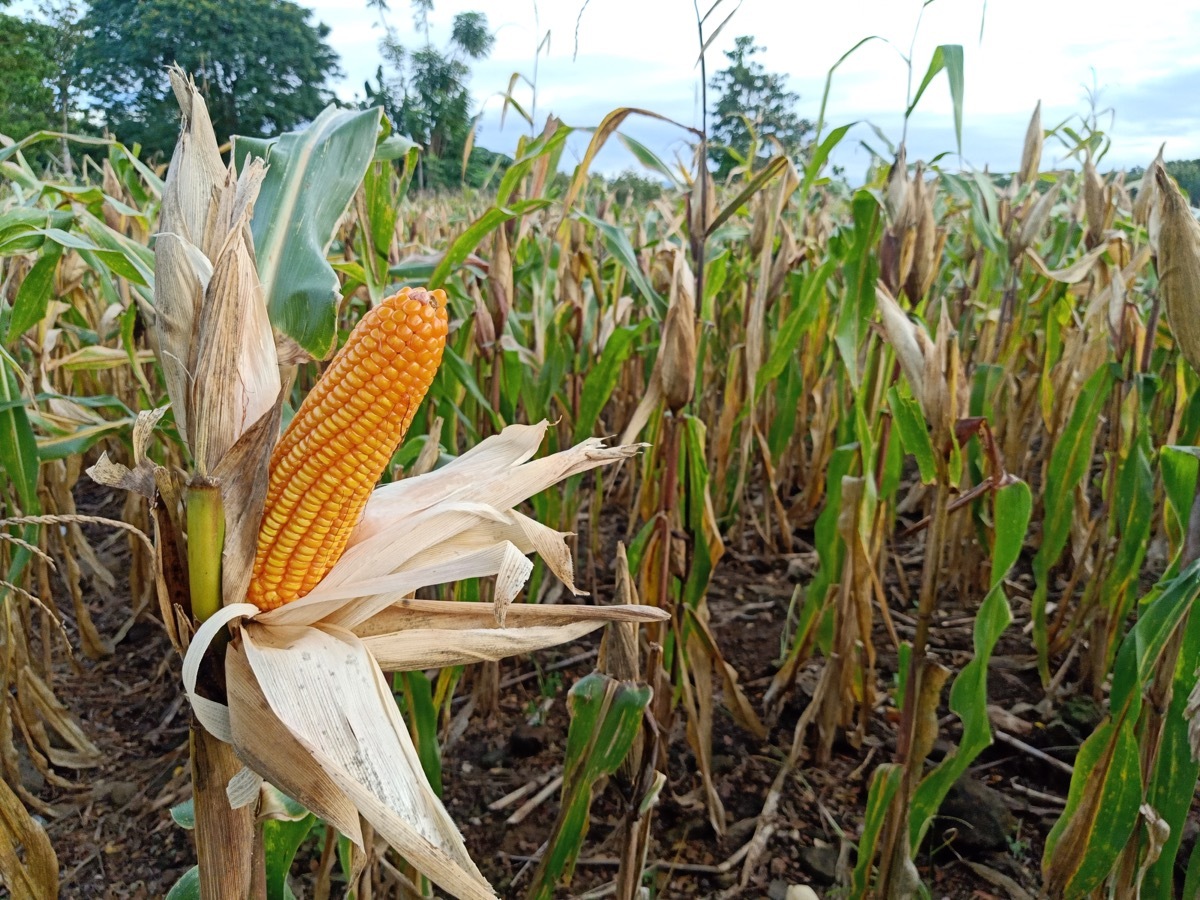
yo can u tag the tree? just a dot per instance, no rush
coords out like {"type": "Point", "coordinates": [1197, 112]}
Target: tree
{"type": "Point", "coordinates": [65, 18]}
{"type": "Point", "coordinates": [425, 93]}
{"type": "Point", "coordinates": [261, 65]}
{"type": "Point", "coordinates": [753, 106]}
{"type": "Point", "coordinates": [26, 88]}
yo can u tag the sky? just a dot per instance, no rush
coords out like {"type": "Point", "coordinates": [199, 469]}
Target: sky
{"type": "Point", "coordinates": [1139, 72]}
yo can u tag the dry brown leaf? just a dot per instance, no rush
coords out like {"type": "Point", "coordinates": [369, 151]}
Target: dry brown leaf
{"type": "Point", "coordinates": [27, 860]}
{"type": "Point", "coordinates": [326, 689]}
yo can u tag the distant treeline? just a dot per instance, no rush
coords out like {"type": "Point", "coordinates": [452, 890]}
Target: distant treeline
{"type": "Point", "coordinates": [1184, 171]}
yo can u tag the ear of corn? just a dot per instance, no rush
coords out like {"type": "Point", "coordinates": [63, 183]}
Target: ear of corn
{"type": "Point", "coordinates": [340, 441]}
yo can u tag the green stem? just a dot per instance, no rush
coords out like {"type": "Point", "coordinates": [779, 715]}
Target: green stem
{"type": "Point", "coordinates": [206, 538]}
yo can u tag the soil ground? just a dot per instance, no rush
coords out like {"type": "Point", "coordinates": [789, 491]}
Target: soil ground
{"type": "Point", "coordinates": [115, 837]}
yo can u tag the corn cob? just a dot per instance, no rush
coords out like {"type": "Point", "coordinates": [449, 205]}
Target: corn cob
{"type": "Point", "coordinates": [341, 439]}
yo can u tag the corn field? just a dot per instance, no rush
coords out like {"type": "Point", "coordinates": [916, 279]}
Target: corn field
{"type": "Point", "coordinates": [871, 499]}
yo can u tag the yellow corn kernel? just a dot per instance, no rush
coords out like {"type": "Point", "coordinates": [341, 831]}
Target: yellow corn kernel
{"type": "Point", "coordinates": [340, 441]}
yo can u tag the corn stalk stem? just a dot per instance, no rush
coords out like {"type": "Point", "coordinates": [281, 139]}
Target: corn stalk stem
{"type": "Point", "coordinates": [927, 604]}
{"type": "Point", "coordinates": [666, 516]}
{"type": "Point", "coordinates": [225, 838]}
{"type": "Point", "coordinates": [894, 847]}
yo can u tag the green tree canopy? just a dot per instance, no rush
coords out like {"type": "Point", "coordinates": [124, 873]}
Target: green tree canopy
{"type": "Point", "coordinates": [27, 73]}
{"type": "Point", "coordinates": [261, 65]}
{"type": "Point", "coordinates": [424, 89]}
{"type": "Point", "coordinates": [753, 107]}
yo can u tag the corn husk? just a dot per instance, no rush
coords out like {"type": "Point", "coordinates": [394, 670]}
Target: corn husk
{"type": "Point", "coordinates": [1146, 204]}
{"type": "Point", "coordinates": [924, 262]}
{"type": "Point", "coordinates": [181, 269]}
{"type": "Point", "coordinates": [673, 378]}
{"type": "Point", "coordinates": [1031, 153]}
{"type": "Point", "coordinates": [1097, 204]}
{"type": "Point", "coordinates": [1033, 221]}
{"type": "Point", "coordinates": [930, 366]}
{"type": "Point", "coordinates": [896, 192]}
{"type": "Point", "coordinates": [210, 315]}
{"type": "Point", "coordinates": [678, 348]}
{"type": "Point", "coordinates": [308, 707]}
{"type": "Point", "coordinates": [1178, 247]}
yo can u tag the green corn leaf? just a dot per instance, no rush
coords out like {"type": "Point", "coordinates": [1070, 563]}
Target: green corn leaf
{"type": "Point", "coordinates": [1179, 466]}
{"type": "Point", "coordinates": [617, 241]}
{"type": "Point", "coordinates": [1191, 881]}
{"type": "Point", "coordinates": [550, 147]}
{"type": "Point", "coordinates": [798, 321]}
{"type": "Point", "coordinates": [914, 433]}
{"type": "Point", "coordinates": [831, 549]}
{"type": "Point", "coordinates": [606, 715]}
{"type": "Point", "coordinates": [22, 220]}
{"type": "Point", "coordinates": [1134, 518]}
{"type": "Point", "coordinates": [311, 179]}
{"type": "Point", "coordinates": [861, 271]}
{"type": "Point", "coordinates": [706, 547]}
{"type": "Point", "coordinates": [885, 782]}
{"type": "Point", "coordinates": [1173, 781]}
{"type": "Point", "coordinates": [752, 187]}
{"type": "Point", "coordinates": [950, 58]}
{"type": "Point", "coordinates": [1100, 815]}
{"type": "Point", "coordinates": [968, 695]}
{"type": "Point", "coordinates": [648, 158]}
{"type": "Point", "coordinates": [417, 692]}
{"type": "Point", "coordinates": [1069, 461]}
{"type": "Point", "coordinates": [187, 887]}
{"type": "Point", "coordinates": [281, 839]}
{"type": "Point", "coordinates": [1143, 645]}
{"type": "Point", "coordinates": [18, 460]}
{"type": "Point", "coordinates": [184, 814]}
{"type": "Point", "coordinates": [33, 295]}
{"type": "Point", "coordinates": [466, 242]}
{"type": "Point", "coordinates": [602, 377]}
{"type": "Point", "coordinates": [79, 440]}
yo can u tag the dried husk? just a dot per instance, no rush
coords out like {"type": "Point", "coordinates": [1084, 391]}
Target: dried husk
{"type": "Point", "coordinates": [326, 689]}
{"type": "Point", "coordinates": [1146, 203]}
{"type": "Point", "coordinates": [236, 373]}
{"type": "Point", "coordinates": [677, 352]}
{"type": "Point", "coordinates": [1096, 205]}
{"type": "Point", "coordinates": [196, 171]}
{"type": "Point", "coordinates": [925, 241]}
{"type": "Point", "coordinates": [702, 200]}
{"type": "Point", "coordinates": [619, 655]}
{"type": "Point", "coordinates": [1034, 221]}
{"type": "Point", "coordinates": [1179, 265]}
{"type": "Point", "coordinates": [931, 368]}
{"type": "Point", "coordinates": [908, 340]}
{"type": "Point", "coordinates": [1031, 153]}
{"type": "Point", "coordinates": [896, 192]}
{"type": "Point", "coordinates": [501, 288]}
